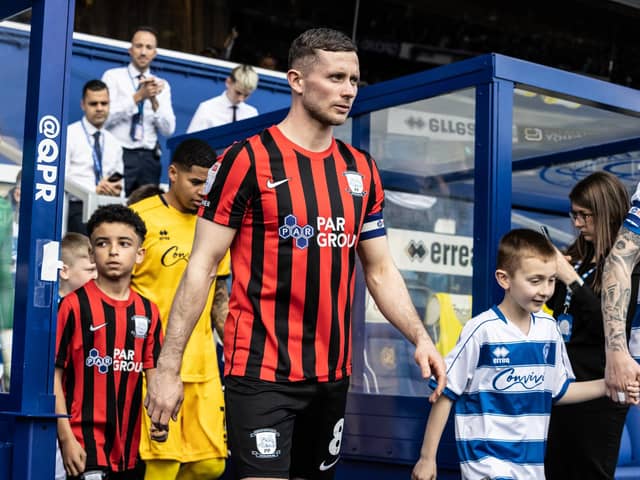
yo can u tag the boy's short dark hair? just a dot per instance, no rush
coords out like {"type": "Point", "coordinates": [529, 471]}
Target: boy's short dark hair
{"type": "Point", "coordinates": [193, 152]}
{"type": "Point", "coordinates": [144, 191]}
{"type": "Point", "coordinates": [116, 213]}
{"type": "Point", "coordinates": [94, 85]}
{"type": "Point", "coordinates": [522, 243]}
{"type": "Point", "coordinates": [306, 44]}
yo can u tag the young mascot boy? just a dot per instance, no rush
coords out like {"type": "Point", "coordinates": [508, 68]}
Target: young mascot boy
{"type": "Point", "coordinates": [107, 334]}
{"type": "Point", "coordinates": [507, 368]}
{"type": "Point", "coordinates": [77, 265]}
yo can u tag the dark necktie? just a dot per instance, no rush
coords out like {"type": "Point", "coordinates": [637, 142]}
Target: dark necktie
{"type": "Point", "coordinates": [234, 108]}
{"type": "Point", "coordinates": [135, 131]}
{"type": "Point", "coordinates": [97, 156]}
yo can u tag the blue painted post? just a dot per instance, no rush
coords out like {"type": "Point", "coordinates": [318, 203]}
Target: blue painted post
{"type": "Point", "coordinates": [29, 408]}
{"type": "Point", "coordinates": [492, 186]}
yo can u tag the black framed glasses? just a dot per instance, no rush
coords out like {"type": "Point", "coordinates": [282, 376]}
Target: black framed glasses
{"type": "Point", "coordinates": [582, 216]}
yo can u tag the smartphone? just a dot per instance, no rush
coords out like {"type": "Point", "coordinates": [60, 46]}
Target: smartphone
{"type": "Point", "coordinates": [545, 232]}
{"type": "Point", "coordinates": [115, 177]}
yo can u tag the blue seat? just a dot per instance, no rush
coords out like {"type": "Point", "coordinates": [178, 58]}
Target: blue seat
{"type": "Point", "coordinates": [629, 456]}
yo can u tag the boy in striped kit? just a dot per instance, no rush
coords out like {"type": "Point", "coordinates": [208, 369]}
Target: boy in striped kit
{"type": "Point", "coordinates": [107, 335]}
{"type": "Point", "coordinates": [508, 367]}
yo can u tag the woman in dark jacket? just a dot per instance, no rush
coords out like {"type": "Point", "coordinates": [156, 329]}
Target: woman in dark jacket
{"type": "Point", "coordinates": [584, 438]}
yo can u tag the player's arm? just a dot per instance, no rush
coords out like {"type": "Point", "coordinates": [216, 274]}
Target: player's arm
{"type": "Point", "coordinates": [73, 455]}
{"type": "Point", "coordinates": [390, 293]}
{"type": "Point", "coordinates": [164, 395]}
{"type": "Point", "coordinates": [589, 390]}
{"type": "Point", "coordinates": [426, 468]}
{"type": "Point", "coordinates": [220, 307]}
{"type": "Point", "coordinates": [621, 369]}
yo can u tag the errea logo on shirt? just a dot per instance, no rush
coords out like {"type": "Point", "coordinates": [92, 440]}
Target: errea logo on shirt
{"type": "Point", "coordinates": [500, 355]}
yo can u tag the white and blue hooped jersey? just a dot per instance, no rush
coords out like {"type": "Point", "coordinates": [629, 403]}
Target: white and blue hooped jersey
{"type": "Point", "coordinates": [632, 223]}
{"type": "Point", "coordinates": [634, 336]}
{"type": "Point", "coordinates": [503, 383]}
{"type": "Point", "coordinates": [632, 219]}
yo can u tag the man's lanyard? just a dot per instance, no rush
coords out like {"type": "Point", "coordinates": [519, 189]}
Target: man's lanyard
{"type": "Point", "coordinates": [97, 162]}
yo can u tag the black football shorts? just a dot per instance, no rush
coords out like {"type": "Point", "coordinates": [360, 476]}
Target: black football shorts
{"type": "Point", "coordinates": [285, 430]}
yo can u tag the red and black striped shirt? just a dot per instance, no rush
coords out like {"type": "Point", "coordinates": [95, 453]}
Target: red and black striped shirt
{"type": "Point", "coordinates": [299, 216]}
{"type": "Point", "coordinates": [102, 346]}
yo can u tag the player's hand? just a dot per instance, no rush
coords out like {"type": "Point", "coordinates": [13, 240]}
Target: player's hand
{"type": "Point", "coordinates": [431, 363]}
{"type": "Point", "coordinates": [158, 433]}
{"type": "Point", "coordinates": [165, 394]}
{"type": "Point", "coordinates": [621, 370]}
{"type": "Point", "coordinates": [74, 457]}
{"type": "Point", "coordinates": [425, 469]}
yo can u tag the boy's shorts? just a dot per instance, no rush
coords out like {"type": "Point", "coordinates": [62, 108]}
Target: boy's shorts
{"type": "Point", "coordinates": [285, 430]}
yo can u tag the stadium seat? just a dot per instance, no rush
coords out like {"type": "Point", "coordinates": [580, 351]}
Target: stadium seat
{"type": "Point", "coordinates": [629, 456]}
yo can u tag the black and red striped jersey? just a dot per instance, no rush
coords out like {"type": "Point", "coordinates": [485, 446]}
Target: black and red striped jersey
{"type": "Point", "coordinates": [299, 216]}
{"type": "Point", "coordinates": [103, 345]}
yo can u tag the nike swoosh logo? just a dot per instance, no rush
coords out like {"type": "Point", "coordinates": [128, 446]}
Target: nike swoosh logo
{"type": "Point", "coordinates": [271, 184]}
{"type": "Point", "coordinates": [324, 467]}
{"type": "Point", "coordinates": [97, 327]}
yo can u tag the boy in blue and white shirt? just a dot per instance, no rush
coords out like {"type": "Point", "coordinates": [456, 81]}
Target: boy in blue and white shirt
{"type": "Point", "coordinates": [508, 367]}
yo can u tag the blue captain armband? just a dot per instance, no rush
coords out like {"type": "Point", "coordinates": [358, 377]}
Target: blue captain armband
{"type": "Point", "coordinates": [373, 227]}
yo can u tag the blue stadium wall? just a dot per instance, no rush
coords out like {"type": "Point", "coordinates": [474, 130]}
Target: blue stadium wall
{"type": "Point", "coordinates": [193, 79]}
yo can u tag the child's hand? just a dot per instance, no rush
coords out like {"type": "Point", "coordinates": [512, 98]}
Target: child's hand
{"type": "Point", "coordinates": [73, 456]}
{"type": "Point", "coordinates": [424, 470]}
{"type": "Point", "coordinates": [158, 433]}
{"type": "Point", "coordinates": [632, 393]}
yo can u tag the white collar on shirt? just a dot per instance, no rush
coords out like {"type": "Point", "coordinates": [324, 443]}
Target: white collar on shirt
{"type": "Point", "coordinates": [91, 129]}
{"type": "Point", "coordinates": [227, 102]}
{"type": "Point", "coordinates": [133, 71]}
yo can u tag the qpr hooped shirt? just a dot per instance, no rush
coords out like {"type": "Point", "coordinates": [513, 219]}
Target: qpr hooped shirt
{"type": "Point", "coordinates": [299, 217]}
{"type": "Point", "coordinates": [503, 383]}
{"type": "Point", "coordinates": [632, 223]}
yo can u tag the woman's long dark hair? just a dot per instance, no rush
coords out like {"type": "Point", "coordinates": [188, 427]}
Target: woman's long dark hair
{"type": "Point", "coordinates": [607, 198]}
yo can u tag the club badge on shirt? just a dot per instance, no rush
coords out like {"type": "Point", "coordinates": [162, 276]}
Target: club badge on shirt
{"type": "Point", "coordinates": [211, 177]}
{"type": "Point", "coordinates": [354, 180]}
{"type": "Point", "coordinates": [140, 326]}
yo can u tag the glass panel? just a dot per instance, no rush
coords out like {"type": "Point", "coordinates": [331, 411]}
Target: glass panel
{"type": "Point", "coordinates": [14, 50]}
{"type": "Point", "coordinates": [546, 125]}
{"type": "Point", "coordinates": [540, 195]}
{"type": "Point", "coordinates": [343, 132]}
{"type": "Point", "coordinates": [420, 149]}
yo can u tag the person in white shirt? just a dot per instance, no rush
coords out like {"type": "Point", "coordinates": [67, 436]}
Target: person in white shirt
{"type": "Point", "coordinates": [140, 110]}
{"type": "Point", "coordinates": [229, 106]}
{"type": "Point", "coordinates": [94, 156]}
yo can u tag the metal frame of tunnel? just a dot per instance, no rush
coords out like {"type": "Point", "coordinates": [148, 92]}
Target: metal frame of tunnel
{"type": "Point", "coordinates": [27, 412]}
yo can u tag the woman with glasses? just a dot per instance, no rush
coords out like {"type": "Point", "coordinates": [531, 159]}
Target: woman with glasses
{"type": "Point", "coordinates": [584, 438]}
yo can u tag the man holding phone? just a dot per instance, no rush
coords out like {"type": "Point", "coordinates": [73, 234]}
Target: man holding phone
{"type": "Point", "coordinates": [94, 155]}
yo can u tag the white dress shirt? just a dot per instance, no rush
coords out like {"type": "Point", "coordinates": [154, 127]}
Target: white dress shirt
{"type": "Point", "coordinates": [123, 84]}
{"type": "Point", "coordinates": [217, 111]}
{"type": "Point", "coordinates": [79, 159]}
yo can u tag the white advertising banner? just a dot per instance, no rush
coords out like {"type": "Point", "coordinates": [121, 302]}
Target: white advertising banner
{"type": "Point", "coordinates": [431, 252]}
{"type": "Point", "coordinates": [404, 121]}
